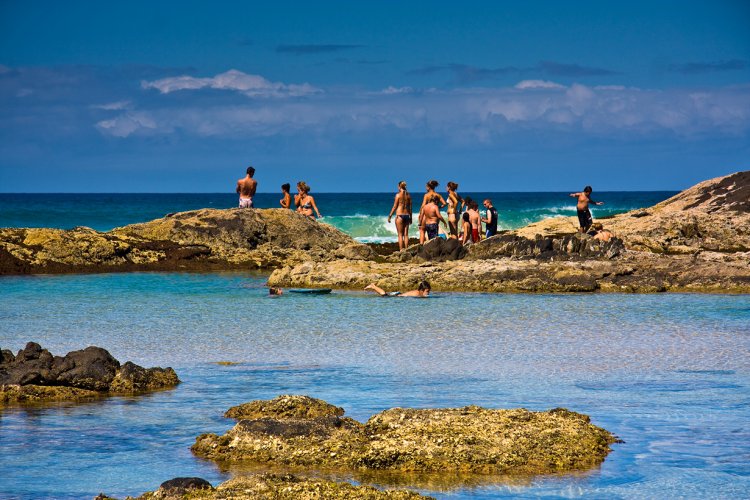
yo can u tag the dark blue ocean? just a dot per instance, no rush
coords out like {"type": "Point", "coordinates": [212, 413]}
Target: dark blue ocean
{"type": "Point", "coordinates": [668, 373]}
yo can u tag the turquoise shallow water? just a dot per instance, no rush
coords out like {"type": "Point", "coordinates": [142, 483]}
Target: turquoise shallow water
{"type": "Point", "coordinates": [669, 374]}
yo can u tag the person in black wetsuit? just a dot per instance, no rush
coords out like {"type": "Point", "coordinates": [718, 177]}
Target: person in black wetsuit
{"type": "Point", "coordinates": [490, 222]}
{"type": "Point", "coordinates": [584, 214]}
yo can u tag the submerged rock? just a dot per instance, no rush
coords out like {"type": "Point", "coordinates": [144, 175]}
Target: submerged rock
{"type": "Point", "coordinates": [34, 374]}
{"type": "Point", "coordinates": [274, 487]}
{"type": "Point", "coordinates": [469, 439]}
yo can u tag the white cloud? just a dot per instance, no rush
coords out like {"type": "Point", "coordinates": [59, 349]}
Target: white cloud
{"type": "Point", "coordinates": [538, 84]}
{"type": "Point", "coordinates": [396, 90]}
{"type": "Point", "coordinates": [113, 106]}
{"type": "Point", "coordinates": [249, 85]}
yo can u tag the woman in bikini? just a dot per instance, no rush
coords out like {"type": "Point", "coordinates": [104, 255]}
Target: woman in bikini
{"type": "Point", "coordinates": [286, 201]}
{"type": "Point", "coordinates": [430, 191]}
{"type": "Point", "coordinates": [454, 208]}
{"type": "Point", "coordinates": [306, 203]}
{"type": "Point", "coordinates": [402, 207]}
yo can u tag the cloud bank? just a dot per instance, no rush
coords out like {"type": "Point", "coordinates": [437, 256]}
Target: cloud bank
{"type": "Point", "coordinates": [467, 115]}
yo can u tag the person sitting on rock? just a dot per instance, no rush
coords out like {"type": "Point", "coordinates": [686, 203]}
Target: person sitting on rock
{"type": "Point", "coordinates": [584, 214]}
{"type": "Point", "coordinates": [423, 291]}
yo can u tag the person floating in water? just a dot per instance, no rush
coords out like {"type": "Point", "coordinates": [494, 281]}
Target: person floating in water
{"type": "Point", "coordinates": [584, 214]}
{"type": "Point", "coordinates": [402, 207]}
{"type": "Point", "coordinates": [423, 291]}
{"type": "Point", "coordinates": [286, 201]}
{"type": "Point", "coordinates": [490, 222]}
{"type": "Point", "coordinates": [246, 189]}
{"type": "Point", "coordinates": [274, 291]}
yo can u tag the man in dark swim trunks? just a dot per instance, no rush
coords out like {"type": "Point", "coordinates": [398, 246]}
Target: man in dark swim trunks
{"type": "Point", "coordinates": [431, 215]}
{"type": "Point", "coordinates": [584, 214]}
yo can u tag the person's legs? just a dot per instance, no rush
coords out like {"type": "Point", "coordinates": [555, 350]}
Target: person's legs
{"type": "Point", "coordinates": [584, 219]}
{"type": "Point", "coordinates": [400, 232]}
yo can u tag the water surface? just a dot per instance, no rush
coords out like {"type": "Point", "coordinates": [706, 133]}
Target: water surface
{"type": "Point", "coordinates": [669, 374]}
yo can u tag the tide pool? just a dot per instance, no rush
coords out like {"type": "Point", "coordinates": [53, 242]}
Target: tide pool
{"type": "Point", "coordinates": [668, 374]}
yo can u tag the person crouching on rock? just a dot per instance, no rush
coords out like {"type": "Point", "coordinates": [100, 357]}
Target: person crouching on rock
{"type": "Point", "coordinates": [306, 203]}
{"type": "Point", "coordinates": [599, 233]}
{"type": "Point", "coordinates": [584, 214]}
{"type": "Point", "coordinates": [430, 215]}
{"type": "Point", "coordinates": [423, 291]}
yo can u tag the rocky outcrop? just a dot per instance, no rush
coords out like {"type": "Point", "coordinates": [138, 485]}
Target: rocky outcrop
{"type": "Point", "coordinates": [641, 272]}
{"type": "Point", "coordinates": [270, 487]}
{"type": "Point", "coordinates": [469, 439]}
{"type": "Point", "coordinates": [711, 216]}
{"type": "Point", "coordinates": [200, 239]}
{"type": "Point", "coordinates": [34, 374]}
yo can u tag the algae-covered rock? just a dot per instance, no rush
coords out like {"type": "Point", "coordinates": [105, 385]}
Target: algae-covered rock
{"type": "Point", "coordinates": [279, 487]}
{"type": "Point", "coordinates": [195, 240]}
{"type": "Point", "coordinates": [467, 440]}
{"type": "Point", "coordinates": [288, 406]}
{"type": "Point", "coordinates": [34, 375]}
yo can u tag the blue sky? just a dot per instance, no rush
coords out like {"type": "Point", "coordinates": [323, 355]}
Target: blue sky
{"type": "Point", "coordinates": [355, 96]}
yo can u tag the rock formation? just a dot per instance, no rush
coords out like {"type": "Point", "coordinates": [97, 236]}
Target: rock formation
{"type": "Point", "coordinates": [302, 432]}
{"type": "Point", "coordinates": [34, 374]}
{"type": "Point", "coordinates": [270, 487]}
{"type": "Point", "coordinates": [200, 239]}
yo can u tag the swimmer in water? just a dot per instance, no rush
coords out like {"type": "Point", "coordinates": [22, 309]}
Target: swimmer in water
{"type": "Point", "coordinates": [423, 291]}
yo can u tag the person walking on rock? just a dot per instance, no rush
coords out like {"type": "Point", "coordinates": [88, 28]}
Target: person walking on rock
{"type": "Point", "coordinates": [584, 214]}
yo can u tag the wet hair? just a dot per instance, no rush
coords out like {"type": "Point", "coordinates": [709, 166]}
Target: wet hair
{"type": "Point", "coordinates": [433, 184]}
{"type": "Point", "coordinates": [286, 187]}
{"type": "Point", "coordinates": [251, 171]}
{"type": "Point", "coordinates": [424, 285]}
{"type": "Point", "coordinates": [587, 189]}
{"type": "Point", "coordinates": [274, 291]}
{"type": "Point", "coordinates": [452, 186]}
{"type": "Point", "coordinates": [402, 185]}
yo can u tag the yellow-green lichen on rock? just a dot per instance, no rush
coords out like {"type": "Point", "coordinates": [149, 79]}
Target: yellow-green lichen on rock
{"type": "Point", "coordinates": [467, 440]}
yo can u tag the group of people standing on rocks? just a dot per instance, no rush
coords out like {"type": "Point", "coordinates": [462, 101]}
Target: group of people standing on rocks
{"type": "Point", "coordinates": [465, 226]}
{"type": "Point", "coordinates": [304, 203]}
{"type": "Point", "coordinates": [464, 218]}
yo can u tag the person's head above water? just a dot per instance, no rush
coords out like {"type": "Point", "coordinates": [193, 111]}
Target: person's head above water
{"type": "Point", "coordinates": [274, 291]}
{"type": "Point", "coordinates": [424, 285]}
{"type": "Point", "coordinates": [251, 171]}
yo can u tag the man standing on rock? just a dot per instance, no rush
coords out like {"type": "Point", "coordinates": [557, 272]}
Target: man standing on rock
{"type": "Point", "coordinates": [584, 214]}
{"type": "Point", "coordinates": [490, 223]}
{"type": "Point", "coordinates": [430, 215]}
{"type": "Point", "coordinates": [246, 189]}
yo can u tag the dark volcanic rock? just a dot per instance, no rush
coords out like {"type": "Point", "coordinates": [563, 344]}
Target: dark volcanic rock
{"type": "Point", "coordinates": [181, 485]}
{"type": "Point", "coordinates": [35, 374]}
{"type": "Point", "coordinates": [546, 247]}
